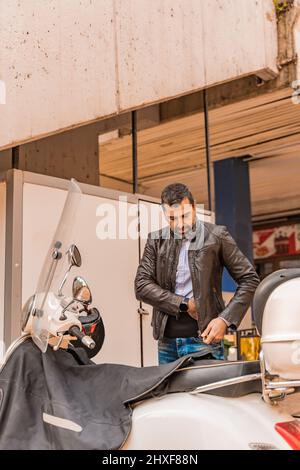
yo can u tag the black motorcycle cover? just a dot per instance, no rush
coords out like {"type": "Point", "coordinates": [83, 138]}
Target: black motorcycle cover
{"type": "Point", "coordinates": [92, 401]}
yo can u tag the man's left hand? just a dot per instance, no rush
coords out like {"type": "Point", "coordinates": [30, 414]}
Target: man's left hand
{"type": "Point", "coordinates": [215, 331]}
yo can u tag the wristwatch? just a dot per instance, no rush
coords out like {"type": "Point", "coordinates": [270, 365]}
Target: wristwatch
{"type": "Point", "coordinates": [184, 306]}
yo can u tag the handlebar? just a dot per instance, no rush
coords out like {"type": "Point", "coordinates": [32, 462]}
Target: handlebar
{"type": "Point", "coordinates": [85, 339]}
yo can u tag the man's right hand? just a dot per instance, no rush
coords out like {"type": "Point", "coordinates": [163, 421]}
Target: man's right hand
{"type": "Point", "coordinates": [192, 309]}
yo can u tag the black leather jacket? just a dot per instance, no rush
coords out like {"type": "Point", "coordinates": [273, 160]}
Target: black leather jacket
{"type": "Point", "coordinates": [212, 249]}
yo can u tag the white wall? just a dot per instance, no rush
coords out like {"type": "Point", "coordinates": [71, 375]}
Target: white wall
{"type": "Point", "coordinates": [67, 62]}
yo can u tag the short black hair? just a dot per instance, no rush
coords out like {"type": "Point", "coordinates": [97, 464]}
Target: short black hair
{"type": "Point", "coordinates": [174, 193]}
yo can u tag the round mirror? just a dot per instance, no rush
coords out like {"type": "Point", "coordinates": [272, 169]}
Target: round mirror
{"type": "Point", "coordinates": [74, 256]}
{"type": "Point", "coordinates": [81, 290]}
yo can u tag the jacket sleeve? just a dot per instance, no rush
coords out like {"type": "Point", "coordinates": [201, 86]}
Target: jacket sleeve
{"type": "Point", "coordinates": [146, 288]}
{"type": "Point", "coordinates": [244, 274]}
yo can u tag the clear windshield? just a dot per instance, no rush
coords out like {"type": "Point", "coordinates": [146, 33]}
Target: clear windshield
{"type": "Point", "coordinates": [54, 266]}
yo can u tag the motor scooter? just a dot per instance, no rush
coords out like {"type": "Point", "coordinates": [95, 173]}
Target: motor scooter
{"type": "Point", "coordinates": [50, 384]}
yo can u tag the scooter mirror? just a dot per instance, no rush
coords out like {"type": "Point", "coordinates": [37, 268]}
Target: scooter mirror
{"type": "Point", "coordinates": [74, 256]}
{"type": "Point", "coordinates": [74, 259]}
{"type": "Point", "coordinates": [81, 291]}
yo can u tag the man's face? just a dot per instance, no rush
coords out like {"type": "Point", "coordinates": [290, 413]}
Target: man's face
{"type": "Point", "coordinates": [181, 217]}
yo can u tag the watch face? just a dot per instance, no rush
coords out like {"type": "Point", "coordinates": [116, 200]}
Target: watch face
{"type": "Point", "coordinates": [183, 307]}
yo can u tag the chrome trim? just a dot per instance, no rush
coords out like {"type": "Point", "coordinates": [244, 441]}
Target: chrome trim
{"type": "Point", "coordinates": [284, 384]}
{"type": "Point", "coordinates": [205, 366]}
{"type": "Point", "coordinates": [225, 383]}
{"type": "Point", "coordinates": [274, 390]}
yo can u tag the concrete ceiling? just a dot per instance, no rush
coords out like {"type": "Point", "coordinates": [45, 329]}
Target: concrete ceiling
{"type": "Point", "coordinates": [266, 128]}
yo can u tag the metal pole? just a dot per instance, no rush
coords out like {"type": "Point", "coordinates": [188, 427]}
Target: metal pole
{"type": "Point", "coordinates": [207, 148]}
{"type": "Point", "coordinates": [15, 152]}
{"type": "Point", "coordinates": [135, 190]}
{"type": "Point", "coordinates": [226, 383]}
{"type": "Point", "coordinates": [13, 256]}
{"type": "Point", "coordinates": [134, 153]}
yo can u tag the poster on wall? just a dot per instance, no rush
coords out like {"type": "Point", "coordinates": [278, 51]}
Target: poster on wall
{"type": "Point", "coordinates": [276, 241]}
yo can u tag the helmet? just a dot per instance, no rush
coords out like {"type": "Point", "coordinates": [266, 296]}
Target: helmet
{"type": "Point", "coordinates": [93, 326]}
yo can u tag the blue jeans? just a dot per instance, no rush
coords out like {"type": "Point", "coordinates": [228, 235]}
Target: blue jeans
{"type": "Point", "coordinates": [171, 349]}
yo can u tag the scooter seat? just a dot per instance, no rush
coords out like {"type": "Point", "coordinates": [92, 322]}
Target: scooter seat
{"type": "Point", "coordinates": [204, 372]}
{"type": "Point", "coordinates": [197, 372]}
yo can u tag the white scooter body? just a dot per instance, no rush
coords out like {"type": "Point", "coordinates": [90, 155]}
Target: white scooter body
{"type": "Point", "coordinates": [209, 422]}
{"type": "Point", "coordinates": [203, 421]}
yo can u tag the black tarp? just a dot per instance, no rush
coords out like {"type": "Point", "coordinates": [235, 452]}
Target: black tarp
{"type": "Point", "coordinates": [95, 397]}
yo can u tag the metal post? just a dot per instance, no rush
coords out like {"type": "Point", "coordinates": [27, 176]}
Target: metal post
{"type": "Point", "coordinates": [207, 148]}
{"type": "Point", "coordinates": [134, 152]}
{"type": "Point", "coordinates": [15, 152]}
{"type": "Point", "coordinates": [13, 256]}
{"type": "Point", "coordinates": [135, 190]}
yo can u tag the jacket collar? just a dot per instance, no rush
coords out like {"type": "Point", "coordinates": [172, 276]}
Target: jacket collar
{"type": "Point", "coordinates": [196, 237]}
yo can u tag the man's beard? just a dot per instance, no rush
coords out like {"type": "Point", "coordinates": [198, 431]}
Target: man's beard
{"type": "Point", "coordinates": [188, 231]}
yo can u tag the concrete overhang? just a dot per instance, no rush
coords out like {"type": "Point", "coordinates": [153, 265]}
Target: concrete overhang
{"type": "Point", "coordinates": [67, 63]}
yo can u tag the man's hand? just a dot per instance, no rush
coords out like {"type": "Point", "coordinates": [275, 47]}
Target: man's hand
{"type": "Point", "coordinates": [215, 331]}
{"type": "Point", "coordinates": [192, 309]}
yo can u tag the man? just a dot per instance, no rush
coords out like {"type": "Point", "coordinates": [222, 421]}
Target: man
{"type": "Point", "coordinates": [180, 276]}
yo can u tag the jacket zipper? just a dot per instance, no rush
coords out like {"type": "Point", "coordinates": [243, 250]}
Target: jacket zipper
{"type": "Point", "coordinates": [218, 300]}
{"type": "Point", "coordinates": [193, 285]}
{"type": "Point", "coordinates": [172, 286]}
